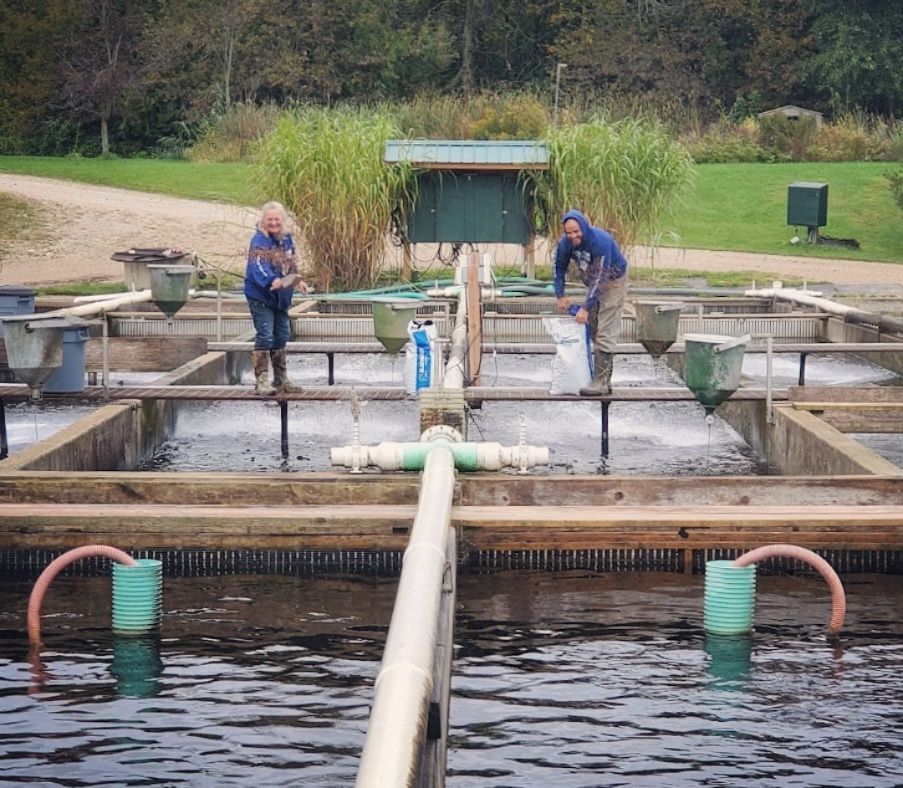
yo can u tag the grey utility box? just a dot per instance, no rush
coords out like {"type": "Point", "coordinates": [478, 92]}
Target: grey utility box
{"type": "Point", "coordinates": [807, 204]}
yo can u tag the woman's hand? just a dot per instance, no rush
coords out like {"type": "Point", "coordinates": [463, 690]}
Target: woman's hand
{"type": "Point", "coordinates": [277, 284]}
{"type": "Point", "coordinates": [582, 315]}
{"type": "Point", "coordinates": [302, 286]}
{"type": "Point", "coordinates": [562, 303]}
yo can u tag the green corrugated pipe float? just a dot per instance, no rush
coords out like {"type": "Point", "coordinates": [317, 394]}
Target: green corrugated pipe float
{"type": "Point", "coordinates": [137, 597]}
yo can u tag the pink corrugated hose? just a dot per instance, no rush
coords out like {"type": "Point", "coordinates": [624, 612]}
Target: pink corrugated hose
{"type": "Point", "coordinates": [838, 597]}
{"type": "Point", "coordinates": [53, 569]}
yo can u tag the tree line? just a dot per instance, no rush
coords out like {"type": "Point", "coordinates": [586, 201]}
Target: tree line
{"type": "Point", "coordinates": [123, 75]}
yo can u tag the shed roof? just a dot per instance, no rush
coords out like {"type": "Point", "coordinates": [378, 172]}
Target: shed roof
{"type": "Point", "coordinates": [469, 154]}
{"type": "Point", "coordinates": [791, 108]}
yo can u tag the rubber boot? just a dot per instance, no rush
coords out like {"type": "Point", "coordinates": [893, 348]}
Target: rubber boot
{"type": "Point", "coordinates": [601, 385]}
{"type": "Point", "coordinates": [280, 372]}
{"type": "Point", "coordinates": [261, 373]}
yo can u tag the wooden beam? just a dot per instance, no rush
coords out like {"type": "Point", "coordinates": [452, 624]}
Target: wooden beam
{"type": "Point", "coordinates": [478, 489]}
{"type": "Point", "coordinates": [207, 489]}
{"type": "Point", "coordinates": [845, 394]}
{"type": "Point", "coordinates": [32, 526]}
{"type": "Point", "coordinates": [896, 407]}
{"type": "Point", "coordinates": [880, 420]}
{"type": "Point", "coordinates": [145, 354]}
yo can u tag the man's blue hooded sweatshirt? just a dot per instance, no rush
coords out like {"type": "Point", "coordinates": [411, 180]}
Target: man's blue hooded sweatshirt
{"type": "Point", "coordinates": [597, 257]}
{"type": "Point", "coordinates": [264, 257]}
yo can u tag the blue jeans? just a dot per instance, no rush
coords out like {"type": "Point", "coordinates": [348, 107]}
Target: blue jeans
{"type": "Point", "coordinates": [272, 326]}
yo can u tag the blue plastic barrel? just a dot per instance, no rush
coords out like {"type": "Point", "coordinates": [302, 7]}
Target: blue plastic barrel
{"type": "Point", "coordinates": [70, 376]}
{"type": "Point", "coordinates": [15, 300]}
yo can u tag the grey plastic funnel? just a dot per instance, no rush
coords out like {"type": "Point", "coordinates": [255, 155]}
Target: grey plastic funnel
{"type": "Point", "coordinates": [390, 321]}
{"type": "Point", "coordinates": [169, 286]}
{"type": "Point", "coordinates": [656, 325]}
{"type": "Point", "coordinates": [34, 347]}
{"type": "Point", "coordinates": [713, 365]}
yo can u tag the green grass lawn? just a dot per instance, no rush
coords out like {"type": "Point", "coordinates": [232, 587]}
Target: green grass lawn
{"type": "Point", "coordinates": [743, 207]}
{"type": "Point", "coordinates": [735, 207]}
{"type": "Point", "coordinates": [219, 182]}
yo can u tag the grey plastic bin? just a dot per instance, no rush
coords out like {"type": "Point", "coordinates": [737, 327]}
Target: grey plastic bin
{"type": "Point", "coordinates": [70, 377]}
{"type": "Point", "coordinates": [15, 300]}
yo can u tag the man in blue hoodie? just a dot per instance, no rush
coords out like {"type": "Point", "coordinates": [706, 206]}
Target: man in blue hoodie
{"type": "Point", "coordinates": [603, 269]}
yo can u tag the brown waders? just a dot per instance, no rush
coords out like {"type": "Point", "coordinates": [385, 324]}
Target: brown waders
{"type": "Point", "coordinates": [605, 325]}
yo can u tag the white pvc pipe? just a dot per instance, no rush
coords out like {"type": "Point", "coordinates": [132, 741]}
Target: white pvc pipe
{"type": "Point", "coordinates": [398, 717]}
{"type": "Point", "coordinates": [98, 307]}
{"type": "Point", "coordinates": [90, 299]}
{"type": "Point", "coordinates": [805, 299]}
{"type": "Point", "coordinates": [732, 343]}
{"type": "Point", "coordinates": [390, 456]}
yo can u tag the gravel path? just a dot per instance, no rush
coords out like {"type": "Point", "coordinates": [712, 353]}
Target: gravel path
{"type": "Point", "coordinates": [86, 224]}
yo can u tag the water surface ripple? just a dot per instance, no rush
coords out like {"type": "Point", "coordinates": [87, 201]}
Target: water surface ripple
{"type": "Point", "coordinates": [564, 679]}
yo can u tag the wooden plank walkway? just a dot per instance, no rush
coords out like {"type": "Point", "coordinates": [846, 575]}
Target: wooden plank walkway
{"type": "Point", "coordinates": [547, 348]}
{"type": "Point", "coordinates": [18, 392]}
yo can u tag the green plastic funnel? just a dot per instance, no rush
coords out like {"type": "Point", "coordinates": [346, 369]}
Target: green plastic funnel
{"type": "Point", "coordinates": [390, 322]}
{"type": "Point", "coordinates": [656, 325]}
{"type": "Point", "coordinates": [169, 286]}
{"type": "Point", "coordinates": [713, 365]}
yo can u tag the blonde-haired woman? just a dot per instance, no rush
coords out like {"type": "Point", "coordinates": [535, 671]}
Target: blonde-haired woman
{"type": "Point", "coordinates": [271, 276]}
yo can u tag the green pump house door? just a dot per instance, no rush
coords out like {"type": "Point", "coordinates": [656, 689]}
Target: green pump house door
{"type": "Point", "coordinates": [470, 207]}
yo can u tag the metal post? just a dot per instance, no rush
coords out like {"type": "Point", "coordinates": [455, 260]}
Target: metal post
{"type": "Point", "coordinates": [4, 443]}
{"type": "Point", "coordinates": [529, 267]}
{"type": "Point", "coordinates": [105, 345]}
{"type": "Point", "coordinates": [802, 378]}
{"type": "Point", "coordinates": [407, 262]}
{"type": "Point", "coordinates": [557, 89]}
{"type": "Point", "coordinates": [769, 380]}
{"type": "Point", "coordinates": [219, 306]}
{"type": "Point", "coordinates": [605, 404]}
{"type": "Point", "coordinates": [330, 365]}
{"type": "Point", "coordinates": [283, 415]}
{"type": "Point", "coordinates": [474, 320]}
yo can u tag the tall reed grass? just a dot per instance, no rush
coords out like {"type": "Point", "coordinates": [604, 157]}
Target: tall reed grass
{"type": "Point", "coordinates": [626, 176]}
{"type": "Point", "coordinates": [326, 166]}
{"type": "Point", "coordinates": [233, 135]}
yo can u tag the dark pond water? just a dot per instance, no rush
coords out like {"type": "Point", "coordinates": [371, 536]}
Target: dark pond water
{"type": "Point", "coordinates": [560, 679]}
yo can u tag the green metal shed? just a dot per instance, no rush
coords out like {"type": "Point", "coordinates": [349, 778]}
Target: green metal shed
{"type": "Point", "coordinates": [471, 191]}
